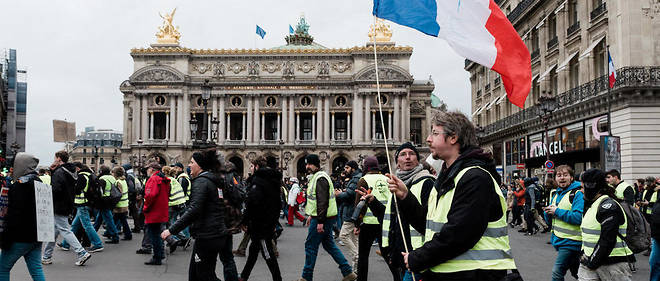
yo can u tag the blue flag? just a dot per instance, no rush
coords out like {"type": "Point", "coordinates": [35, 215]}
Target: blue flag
{"type": "Point", "coordinates": [261, 32]}
{"type": "Point", "coordinates": [290, 29]}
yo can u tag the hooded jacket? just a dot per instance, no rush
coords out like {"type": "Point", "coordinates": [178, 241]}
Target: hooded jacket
{"type": "Point", "coordinates": [156, 198]}
{"type": "Point", "coordinates": [346, 199]}
{"type": "Point", "coordinates": [21, 218]}
{"type": "Point", "coordinates": [572, 216]}
{"type": "Point", "coordinates": [206, 210]}
{"type": "Point", "coordinates": [63, 180]}
{"type": "Point", "coordinates": [263, 203]}
{"type": "Point", "coordinates": [476, 203]}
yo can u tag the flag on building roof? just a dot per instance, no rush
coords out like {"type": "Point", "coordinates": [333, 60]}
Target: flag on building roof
{"type": "Point", "coordinates": [261, 32]}
{"type": "Point", "coordinates": [611, 70]}
{"type": "Point", "coordinates": [290, 29]}
{"type": "Point", "coordinates": [475, 29]}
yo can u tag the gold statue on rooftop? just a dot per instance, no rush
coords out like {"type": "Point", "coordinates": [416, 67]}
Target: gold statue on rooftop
{"type": "Point", "coordinates": [168, 33]}
{"type": "Point", "coordinates": [381, 32]}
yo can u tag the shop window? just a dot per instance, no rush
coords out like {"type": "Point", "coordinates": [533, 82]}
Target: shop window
{"type": "Point", "coordinates": [592, 137]}
{"type": "Point", "coordinates": [574, 140]}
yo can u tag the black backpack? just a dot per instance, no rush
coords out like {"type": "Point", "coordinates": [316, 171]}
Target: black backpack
{"type": "Point", "coordinates": [234, 197]}
{"type": "Point", "coordinates": [94, 192]}
{"type": "Point", "coordinates": [638, 233]}
{"type": "Point", "coordinates": [110, 201]}
{"type": "Point", "coordinates": [130, 182]}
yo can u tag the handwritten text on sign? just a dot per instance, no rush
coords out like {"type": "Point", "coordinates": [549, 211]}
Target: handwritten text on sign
{"type": "Point", "coordinates": [43, 195]}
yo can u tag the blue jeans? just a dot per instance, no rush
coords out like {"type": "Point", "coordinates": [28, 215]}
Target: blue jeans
{"type": "Point", "coordinates": [83, 218]}
{"type": "Point", "coordinates": [174, 214]}
{"type": "Point", "coordinates": [567, 258]}
{"type": "Point", "coordinates": [314, 239]}
{"type": "Point", "coordinates": [105, 215]}
{"type": "Point", "coordinates": [154, 230]}
{"type": "Point", "coordinates": [407, 276]}
{"type": "Point", "coordinates": [31, 252]}
{"type": "Point", "coordinates": [654, 260]}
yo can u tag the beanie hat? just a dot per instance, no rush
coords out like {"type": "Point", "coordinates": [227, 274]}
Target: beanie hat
{"type": "Point", "coordinates": [403, 146]}
{"type": "Point", "coordinates": [352, 164]}
{"type": "Point", "coordinates": [370, 163]}
{"type": "Point", "coordinates": [203, 161]}
{"type": "Point", "coordinates": [178, 164]}
{"type": "Point", "coordinates": [313, 159]}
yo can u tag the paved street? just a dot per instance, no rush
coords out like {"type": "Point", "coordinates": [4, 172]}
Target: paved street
{"type": "Point", "coordinates": [119, 262]}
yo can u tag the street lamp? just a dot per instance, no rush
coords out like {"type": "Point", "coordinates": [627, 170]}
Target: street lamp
{"type": "Point", "coordinates": [206, 95]}
{"type": "Point", "coordinates": [547, 104]}
{"type": "Point", "coordinates": [193, 128]}
{"type": "Point", "coordinates": [96, 157]}
{"type": "Point", "coordinates": [214, 128]}
{"type": "Point", "coordinates": [139, 142]}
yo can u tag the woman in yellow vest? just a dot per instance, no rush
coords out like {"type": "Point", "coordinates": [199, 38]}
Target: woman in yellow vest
{"type": "Point", "coordinates": [121, 209]}
{"type": "Point", "coordinates": [605, 256]}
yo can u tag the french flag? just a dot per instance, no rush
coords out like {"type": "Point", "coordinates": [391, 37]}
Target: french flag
{"type": "Point", "coordinates": [611, 70]}
{"type": "Point", "coordinates": [475, 29]}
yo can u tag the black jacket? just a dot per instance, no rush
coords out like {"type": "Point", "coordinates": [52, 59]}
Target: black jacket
{"type": "Point", "coordinates": [610, 216]}
{"type": "Point", "coordinates": [63, 180]}
{"type": "Point", "coordinates": [655, 222]}
{"type": "Point", "coordinates": [346, 199]}
{"type": "Point", "coordinates": [205, 212]}
{"type": "Point", "coordinates": [21, 219]}
{"type": "Point", "coordinates": [475, 204]}
{"type": "Point", "coordinates": [263, 203]}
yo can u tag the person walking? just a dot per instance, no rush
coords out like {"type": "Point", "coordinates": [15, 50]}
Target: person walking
{"type": "Point", "coordinates": [205, 217]}
{"type": "Point", "coordinates": [121, 209]}
{"type": "Point", "coordinates": [84, 208]}
{"type": "Point", "coordinates": [106, 181]}
{"type": "Point", "coordinates": [530, 200]}
{"type": "Point", "coordinates": [20, 233]}
{"type": "Point", "coordinates": [605, 255]}
{"type": "Point", "coordinates": [565, 210]}
{"type": "Point", "coordinates": [156, 199]}
{"type": "Point", "coordinates": [293, 202]}
{"type": "Point", "coordinates": [261, 215]}
{"type": "Point", "coordinates": [63, 182]}
{"type": "Point", "coordinates": [346, 201]}
{"type": "Point", "coordinates": [624, 191]}
{"type": "Point", "coordinates": [463, 221]}
{"type": "Point", "coordinates": [322, 210]}
{"type": "Point", "coordinates": [177, 205]}
{"type": "Point", "coordinates": [654, 258]}
{"type": "Point", "coordinates": [519, 193]}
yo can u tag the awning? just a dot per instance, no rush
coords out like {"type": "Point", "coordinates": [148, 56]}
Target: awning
{"type": "Point", "coordinates": [490, 104]}
{"type": "Point", "coordinates": [590, 48]}
{"type": "Point", "coordinates": [547, 71]}
{"type": "Point", "coordinates": [535, 76]}
{"type": "Point", "coordinates": [565, 62]}
{"type": "Point", "coordinates": [500, 99]}
{"type": "Point", "coordinates": [561, 7]}
{"type": "Point", "coordinates": [477, 111]}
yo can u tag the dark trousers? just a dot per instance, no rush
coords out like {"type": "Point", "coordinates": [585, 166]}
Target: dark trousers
{"type": "Point", "coordinates": [368, 234]}
{"type": "Point", "coordinates": [203, 259]}
{"type": "Point", "coordinates": [153, 231]}
{"type": "Point", "coordinates": [121, 219]}
{"type": "Point", "coordinates": [517, 210]}
{"type": "Point", "coordinates": [266, 248]}
{"type": "Point", "coordinates": [529, 219]}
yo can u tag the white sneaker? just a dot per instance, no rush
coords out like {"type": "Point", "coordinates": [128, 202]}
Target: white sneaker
{"type": "Point", "coordinates": [47, 261]}
{"type": "Point", "coordinates": [81, 260]}
{"type": "Point", "coordinates": [341, 243]}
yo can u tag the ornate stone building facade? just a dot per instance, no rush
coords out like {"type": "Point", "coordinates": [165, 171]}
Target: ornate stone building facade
{"type": "Point", "coordinates": [284, 102]}
{"type": "Point", "coordinates": [568, 40]}
{"type": "Point", "coordinates": [97, 147]}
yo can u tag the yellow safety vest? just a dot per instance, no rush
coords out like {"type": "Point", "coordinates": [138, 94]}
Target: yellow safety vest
{"type": "Point", "coordinates": [492, 251]}
{"type": "Point", "coordinates": [380, 190]}
{"type": "Point", "coordinates": [591, 231]}
{"type": "Point", "coordinates": [310, 209]}
{"type": "Point", "coordinates": [177, 197]}
{"type": "Point", "coordinates": [561, 228]}
{"type": "Point", "coordinates": [45, 179]}
{"type": "Point", "coordinates": [109, 181]}
{"type": "Point", "coordinates": [552, 194]}
{"type": "Point", "coordinates": [80, 198]}
{"type": "Point", "coordinates": [123, 202]}
{"type": "Point", "coordinates": [654, 198]}
{"type": "Point", "coordinates": [185, 176]}
{"type": "Point", "coordinates": [620, 189]}
{"type": "Point", "coordinates": [416, 238]}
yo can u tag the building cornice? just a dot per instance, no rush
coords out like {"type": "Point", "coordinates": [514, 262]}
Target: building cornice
{"type": "Point", "coordinates": [222, 52]}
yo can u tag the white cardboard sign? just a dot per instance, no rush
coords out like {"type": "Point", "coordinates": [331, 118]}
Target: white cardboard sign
{"type": "Point", "coordinates": [43, 196]}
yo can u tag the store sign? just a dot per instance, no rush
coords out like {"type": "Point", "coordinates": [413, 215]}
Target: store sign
{"type": "Point", "coordinates": [610, 153]}
{"type": "Point", "coordinates": [538, 149]}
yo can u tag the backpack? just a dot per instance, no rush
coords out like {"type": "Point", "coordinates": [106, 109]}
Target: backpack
{"type": "Point", "coordinates": [110, 201]}
{"type": "Point", "coordinates": [638, 233]}
{"type": "Point", "coordinates": [130, 182]}
{"type": "Point", "coordinates": [234, 196]}
{"type": "Point", "coordinates": [94, 192]}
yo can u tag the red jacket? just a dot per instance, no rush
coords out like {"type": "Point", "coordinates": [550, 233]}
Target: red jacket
{"type": "Point", "coordinates": [156, 199]}
{"type": "Point", "coordinates": [521, 197]}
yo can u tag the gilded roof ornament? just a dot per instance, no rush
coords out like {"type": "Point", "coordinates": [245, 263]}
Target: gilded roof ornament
{"type": "Point", "coordinates": [168, 33]}
{"type": "Point", "coordinates": [380, 32]}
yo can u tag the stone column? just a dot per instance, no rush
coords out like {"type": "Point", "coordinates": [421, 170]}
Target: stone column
{"type": "Point", "coordinates": [314, 133]}
{"type": "Point", "coordinates": [228, 123]}
{"type": "Point", "coordinates": [171, 120]}
{"type": "Point", "coordinates": [319, 128]}
{"type": "Point", "coordinates": [208, 126]}
{"type": "Point", "coordinates": [367, 119]}
{"type": "Point", "coordinates": [263, 126]}
{"type": "Point", "coordinates": [297, 125]}
{"type": "Point", "coordinates": [244, 125]}
{"type": "Point", "coordinates": [405, 120]}
{"type": "Point", "coordinates": [389, 125]}
{"type": "Point", "coordinates": [350, 128]}
{"type": "Point", "coordinates": [136, 118]}
{"type": "Point", "coordinates": [214, 114]}
{"type": "Point", "coordinates": [151, 125]}
{"type": "Point", "coordinates": [332, 128]}
{"type": "Point", "coordinates": [357, 108]}
{"type": "Point", "coordinates": [256, 124]}
{"type": "Point", "coordinates": [249, 115]}
{"type": "Point", "coordinates": [373, 125]}
{"type": "Point", "coordinates": [397, 118]}
{"type": "Point", "coordinates": [221, 118]}
{"type": "Point", "coordinates": [186, 118]}
{"type": "Point", "coordinates": [292, 121]}
{"type": "Point", "coordinates": [326, 120]}
{"type": "Point", "coordinates": [179, 119]}
{"type": "Point", "coordinates": [283, 135]}
{"type": "Point", "coordinates": [167, 124]}
{"type": "Point", "coordinates": [145, 118]}
{"type": "Point", "coordinates": [279, 132]}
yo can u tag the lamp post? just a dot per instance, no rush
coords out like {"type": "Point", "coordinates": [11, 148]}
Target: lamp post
{"type": "Point", "coordinates": [193, 128]}
{"type": "Point", "coordinates": [96, 157]}
{"type": "Point", "coordinates": [214, 129]}
{"type": "Point", "coordinates": [206, 95]}
{"type": "Point", "coordinates": [139, 142]}
{"type": "Point", "coordinates": [547, 104]}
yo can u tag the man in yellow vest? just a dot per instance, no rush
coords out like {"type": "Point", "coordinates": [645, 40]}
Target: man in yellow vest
{"type": "Point", "coordinates": [605, 255]}
{"type": "Point", "coordinates": [183, 178]}
{"type": "Point", "coordinates": [322, 210]}
{"type": "Point", "coordinates": [565, 210]}
{"type": "Point", "coordinates": [464, 223]}
{"type": "Point", "coordinates": [44, 175]}
{"type": "Point", "coordinates": [623, 190]}
{"type": "Point", "coordinates": [106, 180]}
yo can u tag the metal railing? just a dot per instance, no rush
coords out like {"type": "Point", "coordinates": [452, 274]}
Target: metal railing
{"type": "Point", "coordinates": [479, 93]}
{"type": "Point", "coordinates": [518, 10]}
{"type": "Point", "coordinates": [600, 10]}
{"type": "Point", "coordinates": [573, 28]}
{"type": "Point", "coordinates": [553, 43]}
{"type": "Point", "coordinates": [498, 80]}
{"type": "Point", "coordinates": [487, 88]}
{"type": "Point", "coordinates": [627, 77]}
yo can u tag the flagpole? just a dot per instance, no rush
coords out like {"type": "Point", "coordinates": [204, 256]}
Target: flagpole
{"type": "Point", "coordinates": [387, 151]}
{"type": "Point", "coordinates": [609, 98]}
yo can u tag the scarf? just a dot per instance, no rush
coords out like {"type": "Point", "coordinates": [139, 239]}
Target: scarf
{"type": "Point", "coordinates": [408, 176]}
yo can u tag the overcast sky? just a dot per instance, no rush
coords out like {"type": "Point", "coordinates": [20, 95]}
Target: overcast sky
{"type": "Point", "coordinates": [78, 52]}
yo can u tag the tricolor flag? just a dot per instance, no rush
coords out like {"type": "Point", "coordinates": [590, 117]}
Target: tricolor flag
{"type": "Point", "coordinates": [290, 29]}
{"type": "Point", "coordinates": [611, 71]}
{"type": "Point", "coordinates": [261, 32]}
{"type": "Point", "coordinates": [475, 29]}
